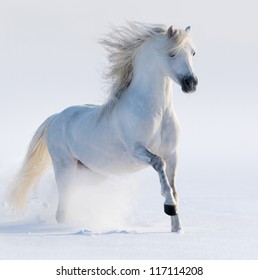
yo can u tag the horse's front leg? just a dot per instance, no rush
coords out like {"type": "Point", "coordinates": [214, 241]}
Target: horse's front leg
{"type": "Point", "coordinates": [171, 163]}
{"type": "Point", "coordinates": [158, 163]}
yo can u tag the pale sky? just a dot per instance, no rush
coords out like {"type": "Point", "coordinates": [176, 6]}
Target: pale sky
{"type": "Point", "coordinates": [50, 59]}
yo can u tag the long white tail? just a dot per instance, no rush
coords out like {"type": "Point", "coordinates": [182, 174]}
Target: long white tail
{"type": "Point", "coordinates": [36, 162]}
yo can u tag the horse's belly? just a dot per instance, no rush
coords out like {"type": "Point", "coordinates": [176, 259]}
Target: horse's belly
{"type": "Point", "coordinates": [109, 159]}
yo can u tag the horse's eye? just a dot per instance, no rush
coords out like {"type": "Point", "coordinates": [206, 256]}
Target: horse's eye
{"type": "Point", "coordinates": [172, 55]}
{"type": "Point", "coordinates": [193, 53]}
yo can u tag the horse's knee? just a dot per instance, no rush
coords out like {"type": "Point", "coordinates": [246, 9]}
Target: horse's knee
{"type": "Point", "coordinates": [157, 162]}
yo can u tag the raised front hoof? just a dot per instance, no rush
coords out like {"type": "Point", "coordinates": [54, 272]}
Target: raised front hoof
{"type": "Point", "coordinates": [170, 210]}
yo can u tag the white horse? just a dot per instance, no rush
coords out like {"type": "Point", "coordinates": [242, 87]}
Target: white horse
{"type": "Point", "coordinates": [135, 128]}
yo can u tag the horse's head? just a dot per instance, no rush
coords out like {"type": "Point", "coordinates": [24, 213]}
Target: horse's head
{"type": "Point", "coordinates": [179, 58]}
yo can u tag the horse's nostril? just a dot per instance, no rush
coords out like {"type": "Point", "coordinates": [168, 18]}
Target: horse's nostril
{"type": "Point", "coordinates": [188, 81]}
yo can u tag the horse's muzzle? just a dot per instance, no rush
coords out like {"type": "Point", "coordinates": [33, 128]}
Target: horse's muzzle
{"type": "Point", "coordinates": [189, 84]}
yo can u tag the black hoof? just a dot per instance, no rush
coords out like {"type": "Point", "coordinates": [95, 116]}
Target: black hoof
{"type": "Point", "coordinates": [170, 210]}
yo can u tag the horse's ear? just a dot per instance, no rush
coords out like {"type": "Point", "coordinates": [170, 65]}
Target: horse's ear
{"type": "Point", "coordinates": [188, 28]}
{"type": "Point", "coordinates": [170, 32]}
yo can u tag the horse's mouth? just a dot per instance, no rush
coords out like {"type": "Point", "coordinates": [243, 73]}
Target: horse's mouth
{"type": "Point", "coordinates": [188, 89]}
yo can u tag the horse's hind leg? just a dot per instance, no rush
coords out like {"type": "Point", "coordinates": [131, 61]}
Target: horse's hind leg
{"type": "Point", "coordinates": [65, 170]}
{"type": "Point", "coordinates": [171, 163]}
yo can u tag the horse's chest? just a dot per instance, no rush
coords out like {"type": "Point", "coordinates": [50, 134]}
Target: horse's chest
{"type": "Point", "coordinates": [165, 139]}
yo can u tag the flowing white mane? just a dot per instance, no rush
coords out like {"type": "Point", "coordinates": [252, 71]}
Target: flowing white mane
{"type": "Point", "coordinates": [122, 44]}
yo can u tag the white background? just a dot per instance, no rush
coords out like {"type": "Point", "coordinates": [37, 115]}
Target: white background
{"type": "Point", "coordinates": [50, 59]}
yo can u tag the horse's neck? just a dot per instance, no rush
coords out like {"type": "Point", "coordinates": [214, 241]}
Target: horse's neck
{"type": "Point", "coordinates": [150, 85]}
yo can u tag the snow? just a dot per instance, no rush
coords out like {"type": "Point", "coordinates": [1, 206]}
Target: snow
{"type": "Point", "coordinates": [220, 222]}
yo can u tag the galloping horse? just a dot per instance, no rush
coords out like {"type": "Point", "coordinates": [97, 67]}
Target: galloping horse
{"type": "Point", "coordinates": [135, 128]}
